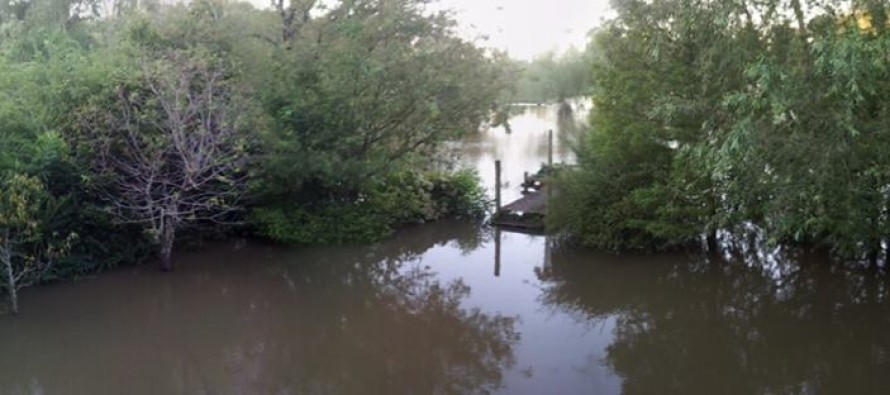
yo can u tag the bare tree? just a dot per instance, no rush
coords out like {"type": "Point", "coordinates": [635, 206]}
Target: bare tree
{"type": "Point", "coordinates": [170, 148]}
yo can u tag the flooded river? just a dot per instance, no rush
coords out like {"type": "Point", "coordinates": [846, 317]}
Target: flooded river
{"type": "Point", "coordinates": [453, 308]}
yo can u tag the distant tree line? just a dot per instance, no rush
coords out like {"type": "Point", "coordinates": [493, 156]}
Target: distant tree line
{"type": "Point", "coordinates": [131, 127]}
{"type": "Point", "coordinates": [727, 115]}
{"type": "Point", "coordinates": [551, 77]}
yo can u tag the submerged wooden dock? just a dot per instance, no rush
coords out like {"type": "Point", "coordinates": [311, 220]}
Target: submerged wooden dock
{"type": "Point", "coordinates": [532, 203]}
{"type": "Point", "coordinates": [528, 212]}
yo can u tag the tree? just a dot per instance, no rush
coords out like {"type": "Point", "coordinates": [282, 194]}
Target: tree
{"type": "Point", "coordinates": [554, 77]}
{"type": "Point", "coordinates": [294, 15]}
{"type": "Point", "coordinates": [643, 181]}
{"type": "Point", "coordinates": [380, 83]}
{"type": "Point", "coordinates": [169, 147]}
{"type": "Point", "coordinates": [25, 252]}
{"type": "Point", "coordinates": [363, 91]}
{"type": "Point", "coordinates": [831, 188]}
{"type": "Point", "coordinates": [705, 118]}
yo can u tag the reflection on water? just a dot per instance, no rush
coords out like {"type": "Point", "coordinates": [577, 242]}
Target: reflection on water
{"type": "Point", "coordinates": [524, 148]}
{"type": "Point", "coordinates": [453, 308]}
{"type": "Point", "coordinates": [265, 321]}
{"type": "Point", "coordinates": [703, 324]}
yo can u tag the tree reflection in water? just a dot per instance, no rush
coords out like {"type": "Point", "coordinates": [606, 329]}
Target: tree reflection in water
{"type": "Point", "coordinates": [745, 322]}
{"type": "Point", "coordinates": [344, 320]}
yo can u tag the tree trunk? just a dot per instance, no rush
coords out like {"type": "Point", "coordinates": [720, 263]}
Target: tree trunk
{"type": "Point", "coordinates": [799, 15]}
{"type": "Point", "coordinates": [168, 233]}
{"type": "Point", "coordinates": [11, 287]}
{"type": "Point", "coordinates": [13, 297]}
{"type": "Point", "coordinates": [874, 253]}
{"type": "Point", "coordinates": [711, 241]}
{"type": "Point", "coordinates": [166, 264]}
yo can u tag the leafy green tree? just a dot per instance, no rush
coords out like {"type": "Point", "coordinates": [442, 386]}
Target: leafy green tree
{"type": "Point", "coordinates": [723, 114]}
{"type": "Point", "coordinates": [380, 83]}
{"type": "Point", "coordinates": [342, 103]}
{"type": "Point", "coordinates": [554, 77]}
{"type": "Point", "coordinates": [830, 189]}
{"type": "Point", "coordinates": [365, 90]}
{"type": "Point", "coordinates": [643, 180]}
{"type": "Point", "coordinates": [26, 253]}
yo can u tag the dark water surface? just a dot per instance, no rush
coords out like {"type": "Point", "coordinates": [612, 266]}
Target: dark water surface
{"type": "Point", "coordinates": [433, 311]}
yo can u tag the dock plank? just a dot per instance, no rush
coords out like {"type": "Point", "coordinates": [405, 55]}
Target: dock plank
{"type": "Point", "coordinates": [526, 212]}
{"type": "Point", "coordinates": [532, 203]}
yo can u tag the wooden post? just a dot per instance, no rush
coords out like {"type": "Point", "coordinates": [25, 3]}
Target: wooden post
{"type": "Point", "coordinates": [497, 252]}
{"type": "Point", "coordinates": [549, 176]}
{"type": "Point", "coordinates": [497, 186]}
{"type": "Point", "coordinates": [550, 149]}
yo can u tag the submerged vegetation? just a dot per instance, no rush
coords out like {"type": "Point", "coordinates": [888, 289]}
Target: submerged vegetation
{"type": "Point", "coordinates": [127, 126]}
{"type": "Point", "coordinates": [717, 115]}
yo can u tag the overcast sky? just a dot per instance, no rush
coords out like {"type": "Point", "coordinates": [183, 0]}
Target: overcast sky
{"type": "Point", "coordinates": [526, 28]}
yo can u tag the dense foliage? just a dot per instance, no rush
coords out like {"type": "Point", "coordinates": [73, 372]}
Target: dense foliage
{"type": "Point", "coordinates": [27, 250]}
{"type": "Point", "coordinates": [131, 123]}
{"type": "Point", "coordinates": [719, 115]}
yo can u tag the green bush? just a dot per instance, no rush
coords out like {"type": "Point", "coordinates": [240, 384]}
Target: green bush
{"type": "Point", "coordinates": [102, 244]}
{"type": "Point", "coordinates": [403, 198]}
{"type": "Point", "coordinates": [334, 119]}
{"type": "Point", "coordinates": [460, 194]}
{"type": "Point", "coordinates": [333, 223]}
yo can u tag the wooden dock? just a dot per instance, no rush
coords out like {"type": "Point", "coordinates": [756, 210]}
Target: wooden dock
{"type": "Point", "coordinates": [528, 212]}
{"type": "Point", "coordinates": [532, 203]}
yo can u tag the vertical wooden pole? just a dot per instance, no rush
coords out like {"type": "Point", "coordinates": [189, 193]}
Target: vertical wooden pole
{"type": "Point", "coordinates": [497, 252]}
{"type": "Point", "coordinates": [549, 176]}
{"type": "Point", "coordinates": [525, 184]}
{"type": "Point", "coordinates": [550, 149]}
{"type": "Point", "coordinates": [497, 186]}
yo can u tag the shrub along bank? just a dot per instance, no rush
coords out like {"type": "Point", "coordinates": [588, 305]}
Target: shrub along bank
{"type": "Point", "coordinates": [126, 126]}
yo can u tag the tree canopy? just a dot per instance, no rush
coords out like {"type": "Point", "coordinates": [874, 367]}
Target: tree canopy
{"type": "Point", "coordinates": [153, 124]}
{"type": "Point", "coordinates": [723, 115]}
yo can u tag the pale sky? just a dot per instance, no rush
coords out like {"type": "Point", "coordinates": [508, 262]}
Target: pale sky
{"type": "Point", "coordinates": [525, 28]}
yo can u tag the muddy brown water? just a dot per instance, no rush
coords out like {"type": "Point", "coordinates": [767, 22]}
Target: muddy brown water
{"type": "Point", "coordinates": [431, 311]}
